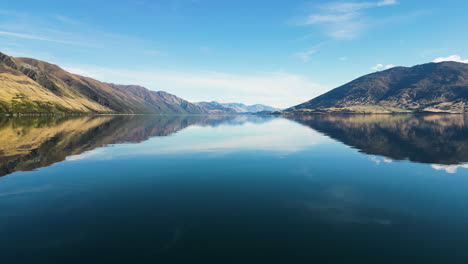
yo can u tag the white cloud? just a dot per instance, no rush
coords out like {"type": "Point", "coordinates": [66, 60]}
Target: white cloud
{"type": "Point", "coordinates": [375, 160]}
{"type": "Point", "coordinates": [378, 160]}
{"type": "Point", "coordinates": [449, 168]}
{"type": "Point", "coordinates": [387, 160]}
{"type": "Point", "coordinates": [343, 58]}
{"type": "Point", "coordinates": [456, 58]}
{"type": "Point", "coordinates": [344, 20]}
{"type": "Point", "coordinates": [280, 89]}
{"type": "Point", "coordinates": [380, 66]}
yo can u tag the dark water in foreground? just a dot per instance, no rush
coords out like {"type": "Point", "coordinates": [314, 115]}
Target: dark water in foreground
{"type": "Point", "coordinates": [349, 189]}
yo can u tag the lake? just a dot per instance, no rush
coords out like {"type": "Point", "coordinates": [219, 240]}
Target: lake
{"type": "Point", "coordinates": [234, 189]}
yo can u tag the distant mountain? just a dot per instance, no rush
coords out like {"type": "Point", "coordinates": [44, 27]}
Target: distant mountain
{"type": "Point", "coordinates": [242, 108]}
{"type": "Point", "coordinates": [433, 87]}
{"type": "Point", "coordinates": [217, 108]}
{"type": "Point", "coordinates": [161, 102]}
{"type": "Point", "coordinates": [33, 86]}
{"type": "Point", "coordinates": [236, 108]}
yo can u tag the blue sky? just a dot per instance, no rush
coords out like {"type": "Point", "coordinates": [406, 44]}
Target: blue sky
{"type": "Point", "coordinates": [279, 53]}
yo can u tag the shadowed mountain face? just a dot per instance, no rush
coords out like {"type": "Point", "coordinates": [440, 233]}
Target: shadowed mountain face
{"type": "Point", "coordinates": [27, 143]}
{"type": "Point", "coordinates": [160, 102]}
{"type": "Point", "coordinates": [435, 139]}
{"type": "Point", "coordinates": [33, 86]}
{"type": "Point", "coordinates": [432, 87]}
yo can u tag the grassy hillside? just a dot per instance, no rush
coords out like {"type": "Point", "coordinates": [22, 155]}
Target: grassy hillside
{"type": "Point", "coordinates": [25, 94]}
{"type": "Point", "coordinates": [33, 86]}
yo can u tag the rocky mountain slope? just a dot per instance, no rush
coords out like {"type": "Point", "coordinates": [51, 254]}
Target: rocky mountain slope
{"type": "Point", "coordinates": [33, 86]}
{"type": "Point", "coordinates": [433, 87]}
{"type": "Point", "coordinates": [160, 101]}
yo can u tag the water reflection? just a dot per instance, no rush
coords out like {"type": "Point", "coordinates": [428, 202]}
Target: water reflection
{"type": "Point", "coordinates": [441, 140]}
{"type": "Point", "coordinates": [30, 143]}
{"type": "Point", "coordinates": [246, 189]}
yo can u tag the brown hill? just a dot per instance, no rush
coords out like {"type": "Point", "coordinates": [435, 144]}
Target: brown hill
{"type": "Point", "coordinates": [432, 87]}
{"type": "Point", "coordinates": [33, 86]}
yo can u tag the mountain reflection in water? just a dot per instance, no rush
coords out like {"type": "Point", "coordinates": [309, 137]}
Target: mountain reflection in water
{"type": "Point", "coordinates": [434, 139]}
{"type": "Point", "coordinates": [236, 189]}
{"type": "Point", "coordinates": [27, 143]}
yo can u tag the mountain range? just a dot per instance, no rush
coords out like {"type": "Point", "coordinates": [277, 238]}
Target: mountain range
{"type": "Point", "coordinates": [33, 86]}
{"type": "Point", "coordinates": [432, 87]}
{"type": "Point", "coordinates": [236, 108]}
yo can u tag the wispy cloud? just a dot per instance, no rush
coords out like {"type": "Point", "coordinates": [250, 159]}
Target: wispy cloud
{"type": "Point", "coordinates": [333, 18]}
{"type": "Point", "coordinates": [456, 58]}
{"type": "Point", "coordinates": [344, 20]}
{"type": "Point", "coordinates": [350, 7]}
{"type": "Point", "coordinates": [305, 56]}
{"type": "Point", "coordinates": [61, 29]}
{"type": "Point", "coordinates": [68, 20]}
{"type": "Point", "coordinates": [33, 37]}
{"type": "Point", "coordinates": [280, 88]}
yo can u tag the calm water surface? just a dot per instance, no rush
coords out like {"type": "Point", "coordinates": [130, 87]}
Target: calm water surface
{"type": "Point", "coordinates": [234, 189]}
